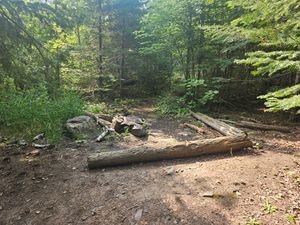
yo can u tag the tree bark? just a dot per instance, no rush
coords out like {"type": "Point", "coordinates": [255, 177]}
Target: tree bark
{"type": "Point", "coordinates": [100, 37]}
{"type": "Point", "coordinates": [219, 126]}
{"type": "Point", "coordinates": [191, 149]}
{"type": "Point", "coordinates": [122, 63]}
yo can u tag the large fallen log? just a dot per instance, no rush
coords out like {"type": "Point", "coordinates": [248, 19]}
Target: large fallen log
{"type": "Point", "coordinates": [259, 126]}
{"type": "Point", "coordinates": [219, 126]}
{"type": "Point", "coordinates": [182, 150]}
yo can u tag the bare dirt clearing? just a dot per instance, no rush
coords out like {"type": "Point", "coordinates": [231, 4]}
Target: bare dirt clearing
{"type": "Point", "coordinates": [57, 188]}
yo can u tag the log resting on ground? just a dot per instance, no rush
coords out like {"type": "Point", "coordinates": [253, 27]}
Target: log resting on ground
{"type": "Point", "coordinates": [219, 126]}
{"type": "Point", "coordinates": [195, 128]}
{"type": "Point", "coordinates": [182, 150]}
{"type": "Point", "coordinates": [259, 126]}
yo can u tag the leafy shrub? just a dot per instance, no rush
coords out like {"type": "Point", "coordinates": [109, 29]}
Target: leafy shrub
{"type": "Point", "coordinates": [269, 208]}
{"type": "Point", "coordinates": [96, 107]}
{"type": "Point", "coordinates": [252, 221]}
{"type": "Point", "coordinates": [26, 114]}
{"type": "Point", "coordinates": [197, 93]}
{"type": "Point", "coordinates": [172, 105]}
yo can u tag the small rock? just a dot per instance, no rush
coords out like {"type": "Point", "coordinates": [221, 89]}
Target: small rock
{"type": "Point", "coordinates": [37, 212]}
{"type": "Point", "coordinates": [170, 171]}
{"type": "Point", "coordinates": [1, 208]}
{"type": "Point", "coordinates": [84, 218]}
{"type": "Point", "coordinates": [81, 141]}
{"type": "Point", "coordinates": [35, 152]}
{"type": "Point", "coordinates": [243, 183]}
{"type": "Point", "coordinates": [218, 182]}
{"type": "Point", "coordinates": [138, 215]}
{"type": "Point", "coordinates": [22, 142]}
{"type": "Point", "coordinates": [208, 194]}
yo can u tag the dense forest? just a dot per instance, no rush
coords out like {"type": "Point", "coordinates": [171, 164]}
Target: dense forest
{"type": "Point", "coordinates": [157, 112]}
{"type": "Point", "coordinates": [59, 57]}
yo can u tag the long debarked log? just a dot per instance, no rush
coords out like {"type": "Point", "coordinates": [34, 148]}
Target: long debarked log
{"type": "Point", "coordinates": [259, 126]}
{"type": "Point", "coordinates": [184, 150]}
{"type": "Point", "coordinates": [219, 126]}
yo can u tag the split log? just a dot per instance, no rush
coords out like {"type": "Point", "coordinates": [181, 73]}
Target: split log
{"type": "Point", "coordinates": [41, 145]}
{"type": "Point", "coordinates": [259, 126]}
{"type": "Point", "coordinates": [117, 124]}
{"type": "Point", "coordinates": [219, 126]}
{"type": "Point", "coordinates": [103, 134]}
{"type": "Point", "coordinates": [183, 150]}
{"type": "Point", "coordinates": [195, 128]}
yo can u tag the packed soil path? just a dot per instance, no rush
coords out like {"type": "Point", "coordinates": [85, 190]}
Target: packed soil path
{"type": "Point", "coordinates": [56, 188]}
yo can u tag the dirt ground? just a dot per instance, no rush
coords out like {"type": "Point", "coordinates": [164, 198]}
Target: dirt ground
{"type": "Point", "coordinates": [56, 188]}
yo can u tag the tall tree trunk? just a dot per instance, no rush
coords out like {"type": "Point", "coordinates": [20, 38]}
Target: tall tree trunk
{"type": "Point", "coordinates": [122, 66]}
{"type": "Point", "coordinates": [189, 41]}
{"type": "Point", "coordinates": [100, 39]}
{"type": "Point", "coordinates": [294, 111]}
{"type": "Point", "coordinates": [78, 34]}
{"type": "Point", "coordinates": [297, 79]}
{"type": "Point", "coordinates": [188, 61]}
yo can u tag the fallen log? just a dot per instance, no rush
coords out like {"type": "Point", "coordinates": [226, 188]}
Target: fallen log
{"type": "Point", "coordinates": [99, 120]}
{"type": "Point", "coordinates": [219, 126]}
{"type": "Point", "coordinates": [106, 117]}
{"type": "Point", "coordinates": [182, 150]}
{"type": "Point", "coordinates": [101, 116]}
{"type": "Point", "coordinates": [259, 126]}
{"type": "Point", "coordinates": [103, 123]}
{"type": "Point", "coordinates": [195, 128]}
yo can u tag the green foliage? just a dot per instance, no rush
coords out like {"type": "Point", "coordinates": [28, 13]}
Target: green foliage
{"type": "Point", "coordinates": [275, 25]}
{"type": "Point", "coordinates": [172, 105]}
{"type": "Point", "coordinates": [283, 100]}
{"type": "Point", "coordinates": [96, 107]}
{"type": "Point", "coordinates": [252, 221]}
{"type": "Point", "coordinates": [291, 218]}
{"type": "Point", "coordinates": [273, 62]}
{"type": "Point", "coordinates": [269, 208]}
{"type": "Point", "coordinates": [32, 112]}
{"type": "Point", "coordinates": [197, 94]}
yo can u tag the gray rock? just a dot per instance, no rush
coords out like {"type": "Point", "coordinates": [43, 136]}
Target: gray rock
{"type": "Point", "coordinates": [138, 215]}
{"type": "Point", "coordinates": [22, 142]}
{"type": "Point", "coordinates": [139, 131]}
{"type": "Point", "coordinates": [170, 171]}
{"type": "Point", "coordinates": [81, 125]}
